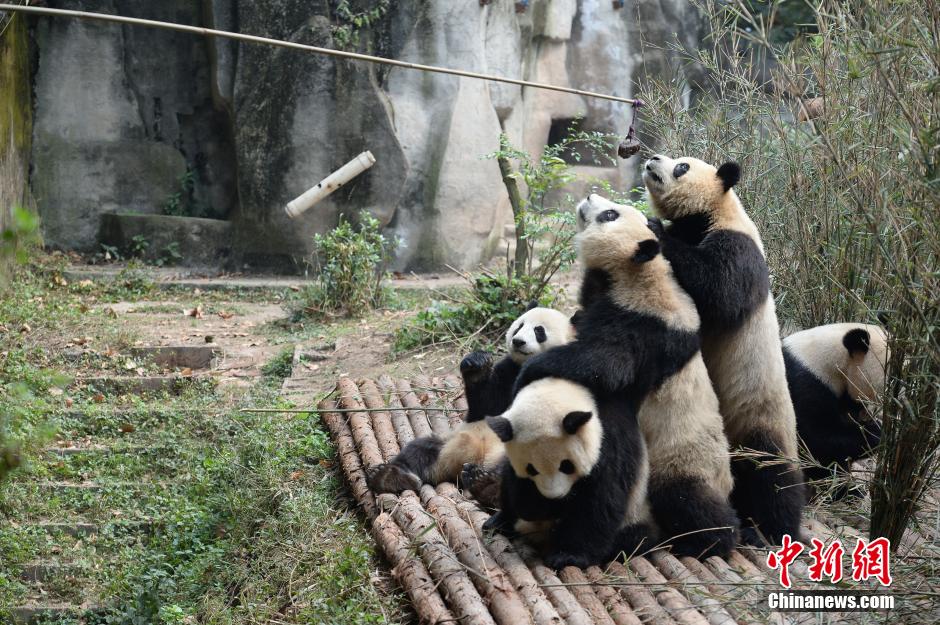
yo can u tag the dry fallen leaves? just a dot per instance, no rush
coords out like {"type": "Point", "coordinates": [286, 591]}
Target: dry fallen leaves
{"type": "Point", "coordinates": [196, 312]}
{"type": "Point", "coordinates": [225, 314]}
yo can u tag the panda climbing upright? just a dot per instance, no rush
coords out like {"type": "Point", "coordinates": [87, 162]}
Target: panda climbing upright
{"type": "Point", "coordinates": [488, 388]}
{"type": "Point", "coordinates": [718, 259]}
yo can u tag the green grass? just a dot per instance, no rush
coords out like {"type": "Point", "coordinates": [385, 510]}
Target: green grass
{"type": "Point", "coordinates": [247, 519]}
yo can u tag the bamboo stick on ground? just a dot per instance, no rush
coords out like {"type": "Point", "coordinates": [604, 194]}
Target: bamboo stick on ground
{"type": "Point", "coordinates": [459, 592]}
{"type": "Point", "coordinates": [491, 581]}
{"type": "Point", "coordinates": [643, 601]}
{"type": "Point", "coordinates": [734, 593]}
{"type": "Point", "coordinates": [584, 593]}
{"type": "Point", "coordinates": [738, 567]}
{"type": "Point", "coordinates": [502, 551]}
{"type": "Point", "coordinates": [359, 423]}
{"type": "Point", "coordinates": [699, 594]}
{"type": "Point", "coordinates": [419, 420]}
{"type": "Point", "coordinates": [458, 400]}
{"type": "Point", "coordinates": [559, 594]}
{"type": "Point", "coordinates": [675, 603]}
{"type": "Point", "coordinates": [433, 408]}
{"type": "Point", "coordinates": [381, 420]}
{"type": "Point", "coordinates": [410, 572]}
{"type": "Point", "coordinates": [618, 608]}
{"type": "Point", "coordinates": [348, 458]}
{"type": "Point", "coordinates": [400, 421]}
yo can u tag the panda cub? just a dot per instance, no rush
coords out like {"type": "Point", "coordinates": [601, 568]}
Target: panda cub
{"type": "Point", "coordinates": [832, 370]}
{"type": "Point", "coordinates": [718, 258]}
{"type": "Point", "coordinates": [690, 473]}
{"type": "Point", "coordinates": [577, 463]}
{"type": "Point", "coordinates": [488, 390]}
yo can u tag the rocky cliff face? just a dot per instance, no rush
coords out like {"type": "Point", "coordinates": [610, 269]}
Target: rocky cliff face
{"type": "Point", "coordinates": [123, 113]}
{"type": "Point", "coordinates": [15, 117]}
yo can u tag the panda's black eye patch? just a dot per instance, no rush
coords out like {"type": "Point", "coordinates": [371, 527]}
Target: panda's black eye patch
{"type": "Point", "coordinates": [680, 169]}
{"type": "Point", "coordinates": [532, 471]}
{"type": "Point", "coordinates": [608, 215]}
{"type": "Point", "coordinates": [516, 331]}
{"type": "Point", "coordinates": [566, 466]}
{"type": "Point", "coordinates": [540, 335]}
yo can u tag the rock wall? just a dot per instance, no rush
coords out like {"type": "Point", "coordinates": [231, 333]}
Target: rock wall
{"type": "Point", "coordinates": [122, 113]}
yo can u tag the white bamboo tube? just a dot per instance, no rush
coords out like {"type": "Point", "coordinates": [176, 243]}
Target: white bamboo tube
{"type": "Point", "coordinates": [329, 184]}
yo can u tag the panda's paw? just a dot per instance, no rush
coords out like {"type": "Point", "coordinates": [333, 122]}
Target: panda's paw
{"type": "Point", "coordinates": [561, 559]}
{"type": "Point", "coordinates": [482, 483]}
{"type": "Point", "coordinates": [391, 478]}
{"type": "Point", "coordinates": [656, 225]}
{"type": "Point", "coordinates": [501, 523]}
{"type": "Point", "coordinates": [475, 366]}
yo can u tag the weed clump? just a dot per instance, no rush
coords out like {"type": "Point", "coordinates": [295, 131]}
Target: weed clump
{"type": "Point", "coordinates": [351, 263]}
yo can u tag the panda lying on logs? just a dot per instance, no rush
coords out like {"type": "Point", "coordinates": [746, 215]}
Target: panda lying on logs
{"type": "Point", "coordinates": [718, 259]}
{"type": "Point", "coordinates": [831, 371]}
{"type": "Point", "coordinates": [488, 390]}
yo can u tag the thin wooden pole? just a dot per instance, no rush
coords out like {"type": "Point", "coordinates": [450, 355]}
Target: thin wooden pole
{"type": "Point", "coordinates": [211, 32]}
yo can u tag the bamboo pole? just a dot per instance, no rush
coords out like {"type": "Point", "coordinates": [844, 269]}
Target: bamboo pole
{"type": "Point", "coordinates": [355, 56]}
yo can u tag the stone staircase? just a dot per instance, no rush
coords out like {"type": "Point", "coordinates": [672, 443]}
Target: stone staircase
{"type": "Point", "coordinates": [87, 495]}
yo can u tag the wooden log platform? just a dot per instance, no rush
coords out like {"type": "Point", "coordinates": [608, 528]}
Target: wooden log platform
{"type": "Point", "coordinates": [453, 572]}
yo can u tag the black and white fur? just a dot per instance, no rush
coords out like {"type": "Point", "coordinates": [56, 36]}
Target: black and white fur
{"type": "Point", "coordinates": [718, 259]}
{"type": "Point", "coordinates": [488, 389]}
{"type": "Point", "coordinates": [576, 463]}
{"type": "Point", "coordinates": [832, 371]}
{"type": "Point", "coordinates": [690, 472]}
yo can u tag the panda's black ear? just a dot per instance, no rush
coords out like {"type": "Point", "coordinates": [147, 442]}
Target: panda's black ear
{"type": "Point", "coordinates": [646, 251]}
{"type": "Point", "coordinates": [577, 316]}
{"type": "Point", "coordinates": [730, 174]}
{"type": "Point", "coordinates": [502, 427]}
{"type": "Point", "coordinates": [533, 304]}
{"type": "Point", "coordinates": [857, 341]}
{"type": "Point", "coordinates": [574, 420]}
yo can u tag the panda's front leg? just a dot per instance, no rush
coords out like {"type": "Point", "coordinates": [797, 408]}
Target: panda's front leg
{"type": "Point", "coordinates": [585, 533]}
{"type": "Point", "coordinates": [476, 370]}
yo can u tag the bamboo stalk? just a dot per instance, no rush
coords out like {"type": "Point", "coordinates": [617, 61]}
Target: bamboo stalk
{"type": "Point", "coordinates": [381, 420]}
{"type": "Point", "coordinates": [448, 573]}
{"type": "Point", "coordinates": [399, 417]}
{"type": "Point", "coordinates": [410, 572]}
{"type": "Point", "coordinates": [491, 582]}
{"type": "Point", "coordinates": [433, 409]}
{"type": "Point", "coordinates": [502, 551]}
{"type": "Point", "coordinates": [560, 595]}
{"type": "Point", "coordinates": [417, 417]}
{"type": "Point", "coordinates": [584, 593]}
{"type": "Point", "coordinates": [349, 459]}
{"type": "Point", "coordinates": [359, 423]}
{"type": "Point", "coordinates": [640, 597]}
{"type": "Point", "coordinates": [618, 608]}
{"type": "Point", "coordinates": [458, 405]}
{"type": "Point", "coordinates": [312, 410]}
{"type": "Point", "coordinates": [675, 603]}
{"type": "Point", "coordinates": [672, 568]}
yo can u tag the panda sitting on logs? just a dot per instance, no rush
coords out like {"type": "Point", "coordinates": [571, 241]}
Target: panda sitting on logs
{"type": "Point", "coordinates": [488, 389]}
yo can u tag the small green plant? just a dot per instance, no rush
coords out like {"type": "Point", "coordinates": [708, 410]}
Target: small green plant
{"type": "Point", "coordinates": [280, 366]}
{"type": "Point", "coordinates": [138, 246]}
{"type": "Point", "coordinates": [169, 255]}
{"type": "Point", "coordinates": [349, 23]}
{"type": "Point", "coordinates": [110, 253]}
{"type": "Point", "coordinates": [133, 280]}
{"type": "Point", "coordinates": [16, 240]}
{"type": "Point", "coordinates": [351, 261]}
{"type": "Point", "coordinates": [183, 203]}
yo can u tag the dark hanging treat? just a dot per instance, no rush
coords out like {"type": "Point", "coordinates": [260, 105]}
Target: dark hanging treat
{"type": "Point", "coordinates": [630, 144]}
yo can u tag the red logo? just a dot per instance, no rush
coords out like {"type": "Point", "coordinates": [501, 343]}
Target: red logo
{"type": "Point", "coordinates": [826, 561]}
{"type": "Point", "coordinates": [869, 560]}
{"type": "Point", "coordinates": [783, 558]}
{"type": "Point", "coordinates": [872, 560]}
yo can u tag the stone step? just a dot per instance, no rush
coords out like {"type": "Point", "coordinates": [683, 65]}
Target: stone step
{"type": "Point", "coordinates": [83, 529]}
{"type": "Point", "coordinates": [141, 385]}
{"type": "Point", "coordinates": [41, 571]}
{"type": "Point", "coordinates": [177, 356]}
{"type": "Point", "coordinates": [35, 613]}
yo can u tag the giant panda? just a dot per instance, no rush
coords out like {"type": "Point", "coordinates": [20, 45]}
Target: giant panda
{"type": "Point", "coordinates": [690, 473]}
{"type": "Point", "coordinates": [635, 330]}
{"type": "Point", "coordinates": [576, 462]}
{"type": "Point", "coordinates": [488, 390]}
{"type": "Point", "coordinates": [717, 257]}
{"type": "Point", "coordinates": [832, 370]}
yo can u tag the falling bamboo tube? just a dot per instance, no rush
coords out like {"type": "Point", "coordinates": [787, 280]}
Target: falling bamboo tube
{"type": "Point", "coordinates": [329, 184]}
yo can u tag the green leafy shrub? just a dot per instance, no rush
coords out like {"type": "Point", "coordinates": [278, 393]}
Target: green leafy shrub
{"type": "Point", "coordinates": [351, 261]}
{"type": "Point", "coordinates": [846, 200]}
